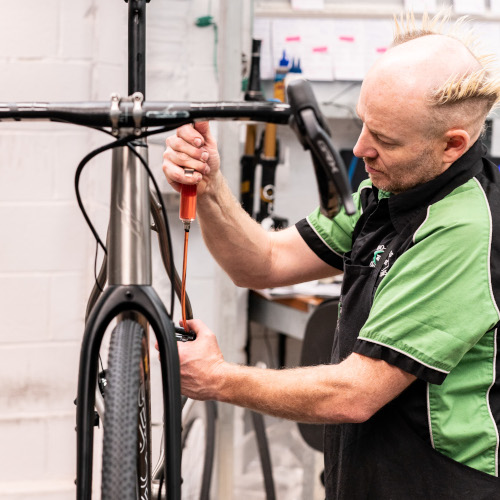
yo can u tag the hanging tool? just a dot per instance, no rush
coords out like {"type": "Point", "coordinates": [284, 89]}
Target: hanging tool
{"type": "Point", "coordinates": [187, 214]}
{"type": "Point", "coordinates": [249, 159]}
{"type": "Point", "coordinates": [270, 157]}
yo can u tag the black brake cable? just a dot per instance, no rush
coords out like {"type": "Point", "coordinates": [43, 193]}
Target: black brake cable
{"type": "Point", "coordinates": [78, 173]}
{"type": "Point", "coordinates": [126, 141]}
{"type": "Point", "coordinates": [95, 268]}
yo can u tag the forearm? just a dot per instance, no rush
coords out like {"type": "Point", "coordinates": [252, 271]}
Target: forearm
{"type": "Point", "coordinates": [351, 391]}
{"type": "Point", "coordinates": [251, 256]}
{"type": "Point", "coordinates": [318, 394]}
{"type": "Point", "coordinates": [240, 245]}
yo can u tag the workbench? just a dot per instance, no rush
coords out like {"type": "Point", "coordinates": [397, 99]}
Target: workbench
{"type": "Point", "coordinates": [288, 316]}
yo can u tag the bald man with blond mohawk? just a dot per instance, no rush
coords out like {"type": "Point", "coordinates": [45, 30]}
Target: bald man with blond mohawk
{"type": "Point", "coordinates": [411, 399]}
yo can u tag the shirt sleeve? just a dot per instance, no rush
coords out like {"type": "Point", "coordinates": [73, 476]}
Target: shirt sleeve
{"type": "Point", "coordinates": [435, 303]}
{"type": "Point", "coordinates": [328, 238]}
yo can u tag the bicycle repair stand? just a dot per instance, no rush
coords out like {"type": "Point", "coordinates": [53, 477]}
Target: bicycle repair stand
{"type": "Point", "coordinates": [130, 290]}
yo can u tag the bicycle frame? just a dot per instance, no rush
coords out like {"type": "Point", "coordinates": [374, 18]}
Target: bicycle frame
{"type": "Point", "coordinates": [129, 292]}
{"type": "Point", "coordinates": [129, 238]}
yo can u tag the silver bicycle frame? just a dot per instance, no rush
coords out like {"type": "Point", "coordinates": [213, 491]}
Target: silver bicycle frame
{"type": "Point", "coordinates": [129, 239]}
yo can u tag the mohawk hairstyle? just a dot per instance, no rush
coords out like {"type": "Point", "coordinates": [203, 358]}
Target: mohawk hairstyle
{"type": "Point", "coordinates": [482, 85]}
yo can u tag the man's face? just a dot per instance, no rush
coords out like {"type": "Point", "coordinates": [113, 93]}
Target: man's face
{"type": "Point", "coordinates": [395, 143]}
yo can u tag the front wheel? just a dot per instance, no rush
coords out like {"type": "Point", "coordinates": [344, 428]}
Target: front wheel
{"type": "Point", "coordinates": [198, 450]}
{"type": "Point", "coordinates": [127, 443]}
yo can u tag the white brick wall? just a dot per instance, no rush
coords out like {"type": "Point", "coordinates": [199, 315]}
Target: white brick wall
{"type": "Point", "coordinates": [59, 50]}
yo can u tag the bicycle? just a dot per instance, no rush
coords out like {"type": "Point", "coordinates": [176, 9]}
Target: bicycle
{"type": "Point", "coordinates": [123, 291]}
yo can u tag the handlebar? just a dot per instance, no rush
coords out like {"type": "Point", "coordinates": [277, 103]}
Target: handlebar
{"type": "Point", "coordinates": [303, 114]}
{"type": "Point", "coordinates": [128, 114]}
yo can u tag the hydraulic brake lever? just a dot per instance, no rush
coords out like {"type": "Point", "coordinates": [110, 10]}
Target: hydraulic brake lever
{"type": "Point", "coordinates": [309, 125]}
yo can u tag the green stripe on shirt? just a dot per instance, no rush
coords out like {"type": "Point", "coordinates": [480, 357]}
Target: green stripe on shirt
{"type": "Point", "coordinates": [336, 233]}
{"type": "Point", "coordinates": [461, 424]}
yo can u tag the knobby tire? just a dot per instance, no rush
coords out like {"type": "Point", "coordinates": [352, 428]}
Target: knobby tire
{"type": "Point", "coordinates": [127, 441]}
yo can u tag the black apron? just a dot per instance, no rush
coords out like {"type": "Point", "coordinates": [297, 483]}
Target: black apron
{"type": "Point", "coordinates": [384, 458]}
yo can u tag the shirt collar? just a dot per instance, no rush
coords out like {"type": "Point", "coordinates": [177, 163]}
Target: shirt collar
{"type": "Point", "coordinates": [402, 207]}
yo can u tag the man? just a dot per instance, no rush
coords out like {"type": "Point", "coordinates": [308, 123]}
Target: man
{"type": "Point", "coordinates": [411, 401]}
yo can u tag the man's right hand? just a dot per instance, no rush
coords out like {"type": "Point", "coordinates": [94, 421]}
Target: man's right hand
{"type": "Point", "coordinates": [191, 147]}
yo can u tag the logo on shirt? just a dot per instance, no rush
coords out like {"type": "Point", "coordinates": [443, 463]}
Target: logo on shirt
{"type": "Point", "coordinates": [387, 264]}
{"type": "Point", "coordinates": [377, 255]}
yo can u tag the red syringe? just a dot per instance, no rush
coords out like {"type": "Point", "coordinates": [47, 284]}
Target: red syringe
{"type": "Point", "coordinates": [187, 214]}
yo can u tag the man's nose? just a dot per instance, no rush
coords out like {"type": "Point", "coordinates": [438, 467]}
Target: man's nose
{"type": "Point", "coordinates": [364, 146]}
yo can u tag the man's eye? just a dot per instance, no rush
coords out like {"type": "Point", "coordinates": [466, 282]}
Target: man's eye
{"type": "Point", "coordinates": [385, 143]}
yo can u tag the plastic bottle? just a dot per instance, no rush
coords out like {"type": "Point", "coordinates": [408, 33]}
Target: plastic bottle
{"type": "Point", "coordinates": [295, 73]}
{"type": "Point", "coordinates": [279, 78]}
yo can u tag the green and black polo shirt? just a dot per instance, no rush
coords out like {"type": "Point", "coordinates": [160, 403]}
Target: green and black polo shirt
{"type": "Point", "coordinates": [433, 312]}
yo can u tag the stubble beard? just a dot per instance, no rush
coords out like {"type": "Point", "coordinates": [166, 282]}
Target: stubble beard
{"type": "Point", "coordinates": [408, 175]}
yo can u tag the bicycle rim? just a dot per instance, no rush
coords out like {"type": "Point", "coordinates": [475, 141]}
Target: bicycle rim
{"type": "Point", "coordinates": [126, 447]}
{"type": "Point", "coordinates": [198, 440]}
{"type": "Point", "coordinates": [198, 451]}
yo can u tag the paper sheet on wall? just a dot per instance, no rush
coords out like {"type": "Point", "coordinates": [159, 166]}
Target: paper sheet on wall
{"type": "Point", "coordinates": [357, 45]}
{"type": "Point", "coordinates": [348, 49]}
{"type": "Point", "coordinates": [378, 36]}
{"type": "Point", "coordinates": [287, 41]}
{"type": "Point", "coordinates": [495, 6]}
{"type": "Point", "coordinates": [306, 40]}
{"type": "Point", "coordinates": [317, 61]}
{"type": "Point", "coordinates": [328, 49]}
{"type": "Point", "coordinates": [308, 4]}
{"type": "Point", "coordinates": [469, 6]}
{"type": "Point", "coordinates": [420, 6]}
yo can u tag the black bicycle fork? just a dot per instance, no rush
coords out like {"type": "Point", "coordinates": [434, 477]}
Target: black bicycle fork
{"type": "Point", "coordinates": [145, 301]}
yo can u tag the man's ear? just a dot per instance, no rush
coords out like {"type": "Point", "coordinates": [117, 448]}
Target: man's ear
{"type": "Point", "coordinates": [457, 143]}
